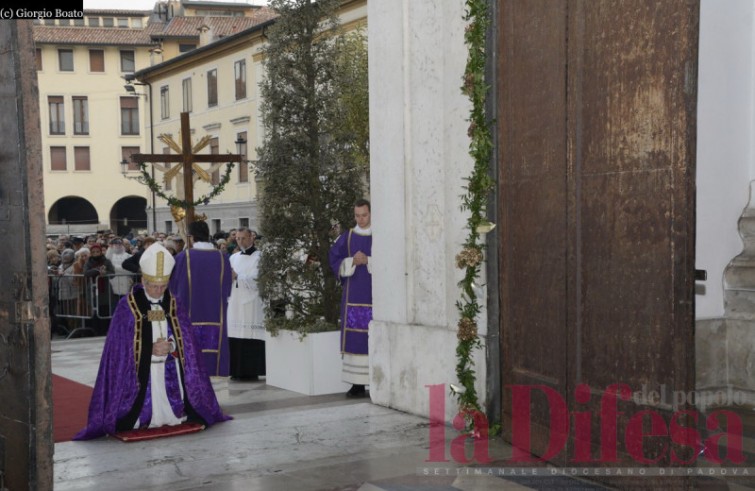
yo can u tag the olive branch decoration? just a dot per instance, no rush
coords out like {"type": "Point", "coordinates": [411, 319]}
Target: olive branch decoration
{"type": "Point", "coordinates": [477, 188]}
{"type": "Point", "coordinates": [155, 187]}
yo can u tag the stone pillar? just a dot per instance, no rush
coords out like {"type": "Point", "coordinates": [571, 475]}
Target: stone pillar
{"type": "Point", "coordinates": [418, 132]}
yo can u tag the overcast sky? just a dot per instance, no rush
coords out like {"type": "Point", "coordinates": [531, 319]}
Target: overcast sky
{"type": "Point", "coordinates": [143, 4]}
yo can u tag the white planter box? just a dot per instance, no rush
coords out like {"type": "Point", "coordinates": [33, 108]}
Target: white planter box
{"type": "Point", "coordinates": [311, 366]}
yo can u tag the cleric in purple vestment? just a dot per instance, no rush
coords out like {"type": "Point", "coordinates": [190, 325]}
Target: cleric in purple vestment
{"type": "Point", "coordinates": [350, 259]}
{"type": "Point", "coordinates": [151, 372]}
{"type": "Point", "coordinates": [202, 281]}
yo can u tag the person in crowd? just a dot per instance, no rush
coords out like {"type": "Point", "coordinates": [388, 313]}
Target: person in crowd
{"type": "Point", "coordinates": [62, 239]}
{"type": "Point", "coordinates": [53, 261]}
{"type": "Point", "coordinates": [231, 245]}
{"type": "Point", "coordinates": [78, 243]}
{"type": "Point", "coordinates": [67, 257]}
{"type": "Point", "coordinates": [73, 287]}
{"type": "Point", "coordinates": [202, 281]}
{"type": "Point", "coordinates": [179, 242]}
{"type": "Point", "coordinates": [53, 285]}
{"type": "Point", "coordinates": [132, 264]}
{"type": "Point", "coordinates": [120, 284]}
{"type": "Point", "coordinates": [138, 242]}
{"type": "Point", "coordinates": [351, 262]}
{"type": "Point", "coordinates": [245, 310]}
{"type": "Point", "coordinates": [151, 371]}
{"type": "Point", "coordinates": [96, 271]}
{"type": "Point", "coordinates": [170, 245]}
{"type": "Point", "coordinates": [70, 294]}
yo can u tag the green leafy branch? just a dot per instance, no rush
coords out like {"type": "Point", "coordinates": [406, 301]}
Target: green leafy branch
{"type": "Point", "coordinates": [218, 188]}
{"type": "Point", "coordinates": [477, 188]}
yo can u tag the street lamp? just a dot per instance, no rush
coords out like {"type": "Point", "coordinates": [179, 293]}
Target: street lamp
{"type": "Point", "coordinates": [240, 145]}
{"type": "Point", "coordinates": [132, 90]}
{"type": "Point", "coordinates": [124, 170]}
{"type": "Point", "coordinates": [241, 150]}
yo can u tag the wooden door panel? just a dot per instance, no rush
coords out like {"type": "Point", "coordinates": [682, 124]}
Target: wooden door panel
{"type": "Point", "coordinates": [631, 113]}
{"type": "Point", "coordinates": [539, 269]}
{"type": "Point", "coordinates": [596, 172]}
{"type": "Point", "coordinates": [625, 280]}
{"type": "Point", "coordinates": [533, 174]}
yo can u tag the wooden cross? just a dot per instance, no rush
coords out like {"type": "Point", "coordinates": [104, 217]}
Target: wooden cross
{"type": "Point", "coordinates": [188, 159]}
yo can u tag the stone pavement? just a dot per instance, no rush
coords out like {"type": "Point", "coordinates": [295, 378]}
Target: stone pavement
{"type": "Point", "coordinates": [278, 440]}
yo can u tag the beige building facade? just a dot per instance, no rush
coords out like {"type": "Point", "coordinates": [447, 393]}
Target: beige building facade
{"type": "Point", "coordinates": [90, 121]}
{"type": "Point", "coordinates": [218, 85]}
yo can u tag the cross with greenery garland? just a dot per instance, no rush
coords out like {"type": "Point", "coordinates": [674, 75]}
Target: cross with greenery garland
{"type": "Point", "coordinates": [190, 166]}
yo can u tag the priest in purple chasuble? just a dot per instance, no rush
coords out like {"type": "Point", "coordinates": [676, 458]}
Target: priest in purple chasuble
{"type": "Point", "coordinates": [151, 372]}
{"type": "Point", "coordinates": [351, 262]}
{"type": "Point", "coordinates": [202, 281]}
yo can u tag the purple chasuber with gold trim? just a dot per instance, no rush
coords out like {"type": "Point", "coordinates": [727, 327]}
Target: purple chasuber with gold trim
{"type": "Point", "coordinates": [356, 300]}
{"type": "Point", "coordinates": [202, 281]}
{"type": "Point", "coordinates": [122, 392]}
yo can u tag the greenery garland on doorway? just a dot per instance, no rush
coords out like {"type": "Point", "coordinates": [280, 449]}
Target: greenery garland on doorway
{"type": "Point", "coordinates": [477, 189]}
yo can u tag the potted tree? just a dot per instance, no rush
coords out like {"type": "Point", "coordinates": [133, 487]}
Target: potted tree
{"type": "Point", "coordinates": [313, 166]}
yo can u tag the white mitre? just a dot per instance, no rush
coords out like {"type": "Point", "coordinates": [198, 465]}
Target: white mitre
{"type": "Point", "coordinates": [156, 264]}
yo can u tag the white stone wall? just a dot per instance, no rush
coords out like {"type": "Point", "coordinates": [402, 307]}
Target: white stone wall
{"type": "Point", "coordinates": [418, 137]}
{"type": "Point", "coordinates": [725, 163]}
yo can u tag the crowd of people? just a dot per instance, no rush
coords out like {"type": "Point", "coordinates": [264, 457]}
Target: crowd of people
{"type": "Point", "coordinates": [89, 274]}
{"type": "Point", "coordinates": [176, 316]}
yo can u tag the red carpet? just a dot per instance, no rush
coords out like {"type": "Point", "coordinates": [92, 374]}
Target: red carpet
{"type": "Point", "coordinates": [70, 402]}
{"type": "Point", "coordinates": [71, 406]}
{"type": "Point", "coordinates": [161, 432]}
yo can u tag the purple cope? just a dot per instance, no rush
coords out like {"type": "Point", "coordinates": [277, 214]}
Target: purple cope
{"type": "Point", "coordinates": [122, 391]}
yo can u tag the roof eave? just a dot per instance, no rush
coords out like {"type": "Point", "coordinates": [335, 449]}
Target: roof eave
{"type": "Point", "coordinates": [140, 74]}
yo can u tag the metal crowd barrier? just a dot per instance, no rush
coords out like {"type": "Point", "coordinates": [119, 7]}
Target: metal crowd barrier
{"type": "Point", "coordinates": [76, 296]}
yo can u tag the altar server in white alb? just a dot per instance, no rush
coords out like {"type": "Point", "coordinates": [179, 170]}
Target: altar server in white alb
{"type": "Point", "coordinates": [245, 311]}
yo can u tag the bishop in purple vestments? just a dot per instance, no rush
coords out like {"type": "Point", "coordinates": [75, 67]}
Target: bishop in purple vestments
{"type": "Point", "coordinates": [350, 259]}
{"type": "Point", "coordinates": [202, 281]}
{"type": "Point", "coordinates": [151, 372]}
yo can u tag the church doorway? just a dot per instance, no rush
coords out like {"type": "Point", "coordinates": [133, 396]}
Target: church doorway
{"type": "Point", "coordinates": [597, 123]}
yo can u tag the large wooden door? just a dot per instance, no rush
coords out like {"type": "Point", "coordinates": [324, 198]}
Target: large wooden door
{"type": "Point", "coordinates": [597, 144]}
{"type": "Point", "coordinates": [26, 443]}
